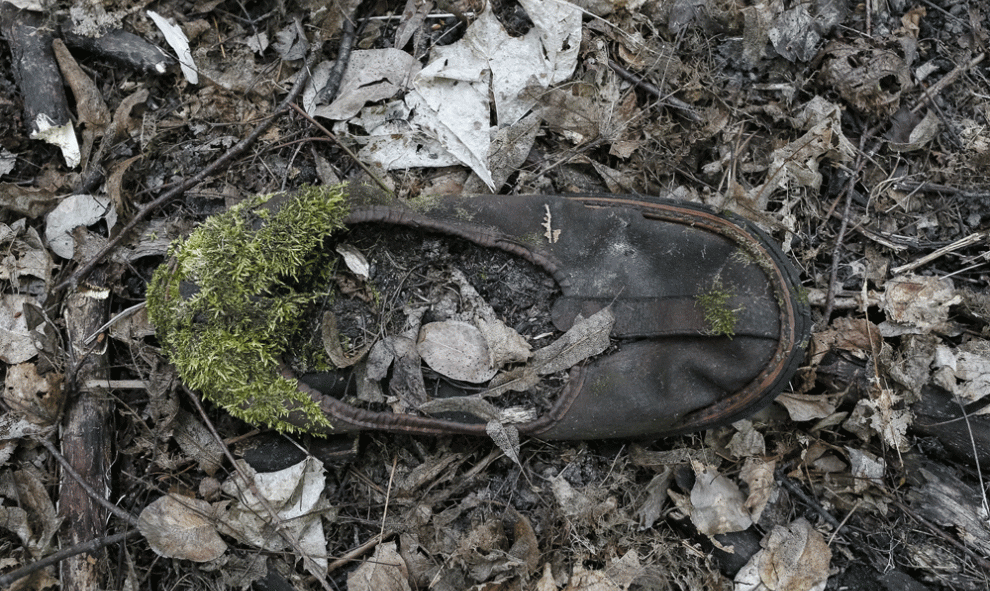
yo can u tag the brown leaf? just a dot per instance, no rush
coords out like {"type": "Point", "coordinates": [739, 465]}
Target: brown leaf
{"type": "Point", "coordinates": [794, 558]}
{"type": "Point", "coordinates": [178, 527]}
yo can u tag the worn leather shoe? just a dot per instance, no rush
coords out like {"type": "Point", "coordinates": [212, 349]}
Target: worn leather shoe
{"type": "Point", "coordinates": [709, 324]}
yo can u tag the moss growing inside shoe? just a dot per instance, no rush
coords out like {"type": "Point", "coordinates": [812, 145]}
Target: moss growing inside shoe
{"type": "Point", "coordinates": [227, 304]}
{"type": "Point", "coordinates": [719, 316]}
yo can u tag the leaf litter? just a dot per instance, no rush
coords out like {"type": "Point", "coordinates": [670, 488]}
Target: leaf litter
{"type": "Point", "coordinates": [857, 437]}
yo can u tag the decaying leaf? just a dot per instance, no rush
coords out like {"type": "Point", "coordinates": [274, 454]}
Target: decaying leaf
{"type": "Point", "coordinates": [198, 442]}
{"type": "Point", "coordinates": [406, 385]}
{"type": "Point", "coordinates": [451, 93]}
{"type": "Point", "coordinates": [759, 476]}
{"type": "Point", "coordinates": [806, 407]}
{"type": "Point", "coordinates": [384, 571]}
{"type": "Point", "coordinates": [331, 343]}
{"type": "Point", "coordinates": [296, 495]}
{"type": "Point", "coordinates": [30, 395]}
{"type": "Point", "coordinates": [372, 75]}
{"type": "Point", "coordinates": [587, 337]}
{"type": "Point", "coordinates": [795, 34]}
{"type": "Point", "coordinates": [24, 254]}
{"type": "Point", "coordinates": [917, 304]}
{"type": "Point", "coordinates": [506, 437]}
{"type": "Point", "coordinates": [717, 504]}
{"type": "Point", "coordinates": [795, 558]}
{"type": "Point", "coordinates": [355, 261]}
{"type": "Point", "coordinates": [747, 441]}
{"type": "Point", "coordinates": [866, 468]}
{"type": "Point", "coordinates": [618, 575]}
{"type": "Point", "coordinates": [797, 163]}
{"type": "Point", "coordinates": [178, 41]}
{"type": "Point", "coordinates": [34, 520]}
{"type": "Point", "coordinates": [870, 78]}
{"type": "Point", "coordinates": [584, 505]}
{"type": "Point", "coordinates": [856, 335]}
{"type": "Point", "coordinates": [457, 350]}
{"type": "Point", "coordinates": [72, 212]}
{"type": "Point", "coordinates": [964, 370]}
{"type": "Point", "coordinates": [656, 495]}
{"type": "Point", "coordinates": [181, 527]}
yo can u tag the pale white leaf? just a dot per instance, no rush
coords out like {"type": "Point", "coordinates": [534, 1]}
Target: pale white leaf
{"type": "Point", "coordinates": [717, 504]}
{"type": "Point", "coordinates": [72, 212]}
{"type": "Point", "coordinates": [506, 437]}
{"type": "Point", "coordinates": [179, 43]}
{"type": "Point", "coordinates": [355, 261]}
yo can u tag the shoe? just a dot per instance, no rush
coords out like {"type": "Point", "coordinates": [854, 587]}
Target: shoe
{"type": "Point", "coordinates": [709, 326]}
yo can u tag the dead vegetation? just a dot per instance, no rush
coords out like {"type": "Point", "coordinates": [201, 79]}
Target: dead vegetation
{"type": "Point", "coordinates": [855, 134]}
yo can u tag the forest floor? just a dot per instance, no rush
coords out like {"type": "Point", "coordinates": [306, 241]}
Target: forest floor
{"type": "Point", "coordinates": [856, 134]}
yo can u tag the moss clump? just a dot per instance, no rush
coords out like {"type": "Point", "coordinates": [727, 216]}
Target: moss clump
{"type": "Point", "coordinates": [720, 318]}
{"type": "Point", "coordinates": [227, 303]}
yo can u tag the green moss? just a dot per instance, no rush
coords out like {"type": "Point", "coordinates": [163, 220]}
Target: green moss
{"type": "Point", "coordinates": [227, 307]}
{"type": "Point", "coordinates": [719, 316]}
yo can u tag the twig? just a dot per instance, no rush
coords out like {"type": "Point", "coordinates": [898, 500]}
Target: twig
{"type": "Point", "coordinates": [667, 98]}
{"type": "Point", "coordinates": [833, 275]}
{"type": "Point", "coordinates": [348, 35]}
{"type": "Point", "coordinates": [277, 522]}
{"type": "Point", "coordinates": [949, 78]}
{"type": "Point", "coordinates": [983, 562]}
{"type": "Point", "coordinates": [329, 134]}
{"type": "Point", "coordinates": [234, 151]}
{"type": "Point", "coordinates": [90, 546]}
{"type": "Point", "coordinates": [796, 491]}
{"type": "Point", "coordinates": [355, 553]}
{"type": "Point", "coordinates": [961, 243]}
{"type": "Point", "coordinates": [90, 491]}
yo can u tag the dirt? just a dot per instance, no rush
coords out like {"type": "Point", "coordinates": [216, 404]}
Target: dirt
{"type": "Point", "coordinates": [881, 202]}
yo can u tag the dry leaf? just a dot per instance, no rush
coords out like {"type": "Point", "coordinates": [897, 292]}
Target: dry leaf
{"type": "Point", "coordinates": [506, 437]}
{"type": "Point", "coordinates": [656, 496]}
{"type": "Point", "coordinates": [546, 582]}
{"type": "Point", "coordinates": [795, 558]}
{"type": "Point", "coordinates": [587, 337]}
{"type": "Point", "coordinates": [331, 343]}
{"type": "Point", "coordinates": [385, 571]}
{"type": "Point", "coordinates": [355, 261]}
{"type": "Point", "coordinates": [917, 304]}
{"type": "Point", "coordinates": [17, 345]}
{"type": "Point", "coordinates": [964, 370]}
{"type": "Point", "coordinates": [181, 527]}
{"type": "Point", "coordinates": [806, 407]}
{"type": "Point", "coordinates": [178, 41]}
{"type": "Point", "coordinates": [72, 212]}
{"type": "Point", "coordinates": [747, 441]}
{"type": "Point", "coordinates": [24, 255]}
{"type": "Point", "coordinates": [759, 476]}
{"type": "Point", "coordinates": [296, 495]}
{"type": "Point", "coordinates": [717, 504]}
{"type": "Point", "coordinates": [198, 442]}
{"type": "Point", "coordinates": [37, 398]}
{"type": "Point", "coordinates": [866, 469]}
{"type": "Point", "coordinates": [457, 350]}
{"type": "Point", "coordinates": [581, 505]}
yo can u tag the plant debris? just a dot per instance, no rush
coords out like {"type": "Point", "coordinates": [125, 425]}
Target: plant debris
{"type": "Point", "coordinates": [855, 135]}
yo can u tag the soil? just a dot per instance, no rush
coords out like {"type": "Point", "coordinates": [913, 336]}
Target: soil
{"type": "Point", "coordinates": [858, 140]}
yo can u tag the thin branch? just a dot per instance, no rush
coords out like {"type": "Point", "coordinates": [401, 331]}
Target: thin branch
{"type": "Point", "coordinates": [234, 151]}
